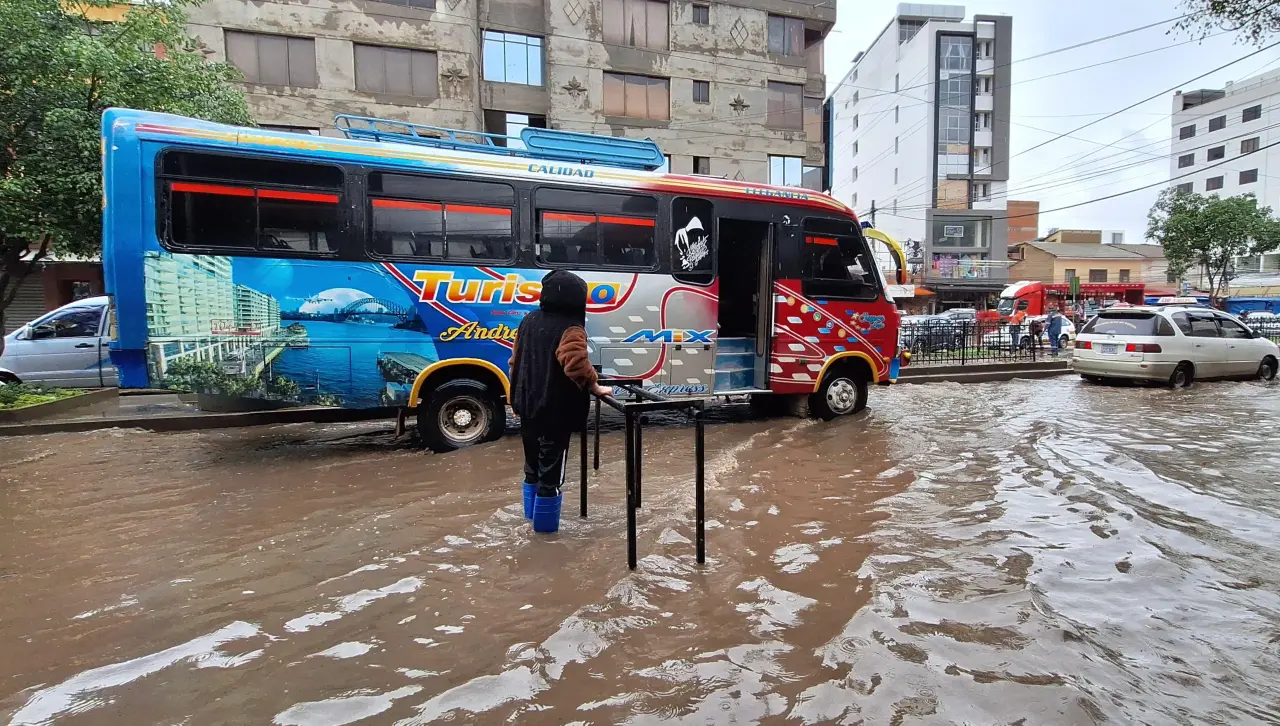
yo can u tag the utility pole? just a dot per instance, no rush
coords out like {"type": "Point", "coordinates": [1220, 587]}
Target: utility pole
{"type": "Point", "coordinates": [873, 213]}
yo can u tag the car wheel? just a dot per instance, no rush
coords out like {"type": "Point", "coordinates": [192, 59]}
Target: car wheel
{"type": "Point", "coordinates": [1091, 379]}
{"type": "Point", "coordinates": [842, 392]}
{"type": "Point", "coordinates": [1267, 371]}
{"type": "Point", "coordinates": [462, 412]}
{"type": "Point", "coordinates": [1063, 341]}
{"type": "Point", "coordinates": [1183, 376]}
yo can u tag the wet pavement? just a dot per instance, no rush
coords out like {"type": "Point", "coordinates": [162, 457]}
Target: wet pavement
{"type": "Point", "coordinates": [1034, 552]}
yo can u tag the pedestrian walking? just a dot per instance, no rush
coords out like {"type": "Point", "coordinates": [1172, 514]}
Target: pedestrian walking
{"type": "Point", "coordinates": [551, 384]}
{"type": "Point", "coordinates": [1015, 330]}
{"type": "Point", "coordinates": [1054, 327]}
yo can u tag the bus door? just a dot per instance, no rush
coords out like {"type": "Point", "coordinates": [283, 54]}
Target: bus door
{"type": "Point", "coordinates": [744, 272]}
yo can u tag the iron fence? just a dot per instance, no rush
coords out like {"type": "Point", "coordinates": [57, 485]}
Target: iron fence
{"type": "Point", "coordinates": [973, 341]}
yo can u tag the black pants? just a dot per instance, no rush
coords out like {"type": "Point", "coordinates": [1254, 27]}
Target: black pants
{"type": "Point", "coordinates": [545, 454]}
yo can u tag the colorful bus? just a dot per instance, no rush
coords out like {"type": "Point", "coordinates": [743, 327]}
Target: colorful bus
{"type": "Point", "coordinates": [391, 268]}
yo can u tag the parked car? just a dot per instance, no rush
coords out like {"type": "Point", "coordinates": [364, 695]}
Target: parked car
{"type": "Point", "coordinates": [928, 333]}
{"type": "Point", "coordinates": [1173, 344]}
{"type": "Point", "coordinates": [67, 348]}
{"type": "Point", "coordinates": [999, 339]}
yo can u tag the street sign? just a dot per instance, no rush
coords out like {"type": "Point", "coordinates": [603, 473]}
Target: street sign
{"type": "Point", "coordinates": [1075, 287]}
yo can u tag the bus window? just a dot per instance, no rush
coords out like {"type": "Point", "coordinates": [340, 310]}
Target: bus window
{"type": "Point", "coordinates": [234, 203]}
{"type": "Point", "coordinates": [618, 231]}
{"type": "Point", "coordinates": [407, 229]}
{"type": "Point", "coordinates": [693, 225]}
{"type": "Point", "coordinates": [478, 233]}
{"type": "Point", "coordinates": [837, 263]}
{"type": "Point", "coordinates": [423, 222]}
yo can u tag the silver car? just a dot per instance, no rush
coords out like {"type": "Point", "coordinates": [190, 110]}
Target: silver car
{"type": "Point", "coordinates": [66, 348]}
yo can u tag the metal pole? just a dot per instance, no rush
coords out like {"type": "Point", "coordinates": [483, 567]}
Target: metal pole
{"type": "Point", "coordinates": [582, 494]}
{"type": "Point", "coordinates": [639, 460]}
{"type": "Point", "coordinates": [597, 436]}
{"type": "Point", "coordinates": [700, 503]}
{"type": "Point", "coordinates": [631, 498]}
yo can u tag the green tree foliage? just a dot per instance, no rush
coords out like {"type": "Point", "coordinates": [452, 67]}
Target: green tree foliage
{"type": "Point", "coordinates": [1254, 21]}
{"type": "Point", "coordinates": [1208, 232]}
{"type": "Point", "coordinates": [59, 69]}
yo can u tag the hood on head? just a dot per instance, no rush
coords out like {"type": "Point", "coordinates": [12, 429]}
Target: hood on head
{"type": "Point", "coordinates": [565, 293]}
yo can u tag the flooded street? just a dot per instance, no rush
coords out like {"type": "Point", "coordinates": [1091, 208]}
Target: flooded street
{"type": "Point", "coordinates": [1035, 552]}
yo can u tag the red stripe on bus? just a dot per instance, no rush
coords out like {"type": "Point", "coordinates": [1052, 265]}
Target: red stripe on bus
{"type": "Point", "coordinates": [298, 196]}
{"type": "Point", "coordinates": [634, 222]}
{"type": "Point", "coordinates": [822, 241]}
{"type": "Point", "coordinates": [397, 204]}
{"type": "Point", "coordinates": [468, 209]}
{"type": "Point", "coordinates": [211, 189]}
{"type": "Point", "coordinates": [562, 217]}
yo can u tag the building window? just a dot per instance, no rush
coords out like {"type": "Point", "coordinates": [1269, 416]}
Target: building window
{"type": "Point", "coordinates": [1249, 176]}
{"type": "Point", "coordinates": [895, 176]}
{"type": "Point", "coordinates": [1253, 113]}
{"type": "Point", "coordinates": [854, 175]}
{"type": "Point", "coordinates": [637, 96]}
{"type": "Point", "coordinates": [853, 201]}
{"type": "Point", "coordinates": [786, 35]}
{"type": "Point", "coordinates": [895, 82]}
{"type": "Point", "coordinates": [666, 165]}
{"type": "Point", "coordinates": [397, 71]}
{"type": "Point", "coordinates": [1169, 277]}
{"type": "Point", "coordinates": [702, 165]}
{"type": "Point", "coordinates": [895, 114]}
{"type": "Point", "coordinates": [1124, 275]}
{"type": "Point", "coordinates": [1212, 183]}
{"type": "Point", "coordinates": [895, 144]}
{"type": "Point", "coordinates": [907, 29]}
{"type": "Point", "coordinates": [984, 84]}
{"type": "Point", "coordinates": [1097, 275]}
{"type": "Point", "coordinates": [982, 121]}
{"type": "Point", "coordinates": [788, 171]}
{"type": "Point", "coordinates": [1186, 188]}
{"type": "Point", "coordinates": [1186, 160]}
{"type": "Point", "coordinates": [308, 130]}
{"type": "Point", "coordinates": [1218, 123]}
{"type": "Point", "coordinates": [786, 106]}
{"type": "Point", "coordinates": [512, 58]}
{"type": "Point", "coordinates": [982, 191]}
{"type": "Point", "coordinates": [1216, 153]}
{"type": "Point", "coordinates": [855, 122]}
{"type": "Point", "coordinates": [273, 60]}
{"type": "Point", "coordinates": [853, 101]}
{"type": "Point", "coordinates": [984, 49]}
{"type": "Point", "coordinates": [509, 125]}
{"type": "Point", "coordinates": [1187, 132]}
{"type": "Point", "coordinates": [702, 91]}
{"type": "Point", "coordinates": [812, 178]}
{"type": "Point", "coordinates": [636, 23]}
{"type": "Point", "coordinates": [1248, 146]}
{"type": "Point", "coordinates": [701, 14]}
{"type": "Point", "coordinates": [855, 149]}
{"type": "Point", "coordinates": [1068, 275]}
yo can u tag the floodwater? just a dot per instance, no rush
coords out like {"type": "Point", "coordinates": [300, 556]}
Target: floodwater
{"type": "Point", "coordinates": [1032, 552]}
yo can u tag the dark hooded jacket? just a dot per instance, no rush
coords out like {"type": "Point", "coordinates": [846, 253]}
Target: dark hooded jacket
{"type": "Point", "coordinates": [551, 375]}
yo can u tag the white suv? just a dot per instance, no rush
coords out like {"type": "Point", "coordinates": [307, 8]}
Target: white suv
{"type": "Point", "coordinates": [1175, 344]}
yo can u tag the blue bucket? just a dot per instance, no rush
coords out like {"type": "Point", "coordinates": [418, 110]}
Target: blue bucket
{"type": "Point", "coordinates": [546, 514]}
{"type": "Point", "coordinates": [530, 491]}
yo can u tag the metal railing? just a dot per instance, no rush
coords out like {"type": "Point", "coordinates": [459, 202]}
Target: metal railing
{"type": "Point", "coordinates": [634, 412]}
{"type": "Point", "coordinates": [963, 342]}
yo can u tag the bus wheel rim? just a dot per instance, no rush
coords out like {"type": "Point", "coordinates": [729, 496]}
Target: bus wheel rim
{"type": "Point", "coordinates": [464, 419]}
{"type": "Point", "coordinates": [842, 395]}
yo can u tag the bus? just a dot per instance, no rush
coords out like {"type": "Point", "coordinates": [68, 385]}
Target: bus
{"type": "Point", "coordinates": [391, 268]}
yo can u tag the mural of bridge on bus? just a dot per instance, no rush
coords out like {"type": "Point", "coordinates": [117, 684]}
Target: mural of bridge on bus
{"type": "Point", "coordinates": [359, 334]}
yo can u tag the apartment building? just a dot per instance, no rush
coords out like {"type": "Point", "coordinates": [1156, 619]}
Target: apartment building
{"type": "Point", "coordinates": [1220, 139]}
{"type": "Point", "coordinates": [920, 133]}
{"type": "Point", "coordinates": [732, 90]}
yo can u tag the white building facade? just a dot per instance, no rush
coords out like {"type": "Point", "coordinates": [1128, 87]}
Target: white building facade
{"type": "Point", "coordinates": [920, 133]}
{"type": "Point", "coordinates": [1220, 140]}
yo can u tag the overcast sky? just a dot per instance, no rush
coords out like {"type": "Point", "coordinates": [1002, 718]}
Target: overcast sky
{"type": "Point", "coordinates": [1065, 102]}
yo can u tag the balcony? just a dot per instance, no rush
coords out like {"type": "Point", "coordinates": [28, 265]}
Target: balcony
{"type": "Point", "coordinates": [985, 66]}
{"type": "Point", "coordinates": [984, 102]}
{"type": "Point", "coordinates": [982, 139]}
{"type": "Point", "coordinates": [978, 271]}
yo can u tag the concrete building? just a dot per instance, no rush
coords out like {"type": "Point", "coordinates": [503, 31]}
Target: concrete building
{"type": "Point", "coordinates": [1220, 139]}
{"type": "Point", "coordinates": [732, 90]}
{"type": "Point", "coordinates": [1024, 221]}
{"type": "Point", "coordinates": [920, 133]}
{"type": "Point", "coordinates": [1068, 253]}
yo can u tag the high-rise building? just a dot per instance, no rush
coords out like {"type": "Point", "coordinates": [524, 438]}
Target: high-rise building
{"type": "Point", "coordinates": [188, 296]}
{"type": "Point", "coordinates": [727, 89]}
{"type": "Point", "coordinates": [256, 310]}
{"type": "Point", "coordinates": [920, 135]}
{"type": "Point", "coordinates": [1220, 140]}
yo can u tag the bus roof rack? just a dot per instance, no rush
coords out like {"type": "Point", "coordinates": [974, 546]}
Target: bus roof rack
{"type": "Point", "coordinates": [546, 144]}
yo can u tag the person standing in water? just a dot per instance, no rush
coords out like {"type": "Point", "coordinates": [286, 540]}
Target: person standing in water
{"type": "Point", "coordinates": [551, 384]}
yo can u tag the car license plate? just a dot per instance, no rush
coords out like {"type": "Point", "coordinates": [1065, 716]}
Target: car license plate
{"type": "Point", "coordinates": [1108, 349]}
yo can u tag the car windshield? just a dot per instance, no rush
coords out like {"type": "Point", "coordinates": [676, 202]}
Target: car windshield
{"type": "Point", "coordinates": [1005, 306]}
{"type": "Point", "coordinates": [1118, 323]}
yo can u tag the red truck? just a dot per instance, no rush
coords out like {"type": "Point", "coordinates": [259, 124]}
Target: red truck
{"type": "Point", "coordinates": [1034, 298]}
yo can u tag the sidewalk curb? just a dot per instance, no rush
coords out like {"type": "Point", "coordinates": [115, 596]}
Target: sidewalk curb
{"type": "Point", "coordinates": [199, 422]}
{"type": "Point", "coordinates": [25, 416]}
{"type": "Point", "coordinates": [969, 375]}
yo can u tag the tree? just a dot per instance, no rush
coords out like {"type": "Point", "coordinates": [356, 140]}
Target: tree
{"type": "Point", "coordinates": [1208, 232]}
{"type": "Point", "coordinates": [60, 68]}
{"type": "Point", "coordinates": [1254, 20]}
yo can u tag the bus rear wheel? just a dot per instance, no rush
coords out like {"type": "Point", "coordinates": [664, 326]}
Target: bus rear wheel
{"type": "Point", "coordinates": [842, 392]}
{"type": "Point", "coordinates": [460, 413]}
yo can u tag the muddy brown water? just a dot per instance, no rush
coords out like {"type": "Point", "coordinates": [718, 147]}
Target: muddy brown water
{"type": "Point", "coordinates": [1034, 552]}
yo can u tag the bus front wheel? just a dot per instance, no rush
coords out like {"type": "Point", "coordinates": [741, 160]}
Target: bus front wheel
{"type": "Point", "coordinates": [842, 392]}
{"type": "Point", "coordinates": [459, 413]}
